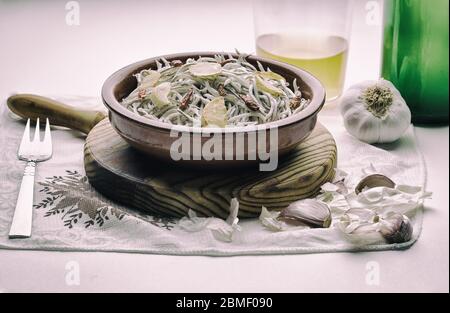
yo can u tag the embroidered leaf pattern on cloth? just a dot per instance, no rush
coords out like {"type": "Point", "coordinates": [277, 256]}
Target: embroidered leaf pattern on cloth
{"type": "Point", "coordinates": [72, 198]}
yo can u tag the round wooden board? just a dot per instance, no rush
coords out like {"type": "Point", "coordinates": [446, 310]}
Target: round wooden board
{"type": "Point", "coordinates": [124, 175]}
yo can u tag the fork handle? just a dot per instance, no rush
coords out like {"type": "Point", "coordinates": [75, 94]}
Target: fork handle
{"type": "Point", "coordinates": [23, 215]}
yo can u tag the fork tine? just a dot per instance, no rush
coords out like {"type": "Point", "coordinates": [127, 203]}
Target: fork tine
{"type": "Point", "coordinates": [36, 132]}
{"type": "Point", "coordinates": [47, 137]}
{"type": "Point", "coordinates": [26, 136]}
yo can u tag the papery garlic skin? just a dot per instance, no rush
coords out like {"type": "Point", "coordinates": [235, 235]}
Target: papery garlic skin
{"type": "Point", "coordinates": [365, 125]}
{"type": "Point", "coordinates": [220, 229]}
{"type": "Point", "coordinates": [269, 220]}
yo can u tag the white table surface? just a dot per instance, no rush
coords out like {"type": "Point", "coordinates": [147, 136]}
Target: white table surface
{"type": "Point", "coordinates": [39, 53]}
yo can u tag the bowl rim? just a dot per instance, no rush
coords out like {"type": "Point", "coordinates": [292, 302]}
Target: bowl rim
{"type": "Point", "coordinates": [113, 105]}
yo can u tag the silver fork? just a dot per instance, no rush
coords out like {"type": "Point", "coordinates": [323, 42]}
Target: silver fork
{"type": "Point", "coordinates": [32, 152]}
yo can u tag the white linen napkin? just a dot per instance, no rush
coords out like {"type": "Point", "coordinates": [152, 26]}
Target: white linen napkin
{"type": "Point", "coordinates": [70, 215]}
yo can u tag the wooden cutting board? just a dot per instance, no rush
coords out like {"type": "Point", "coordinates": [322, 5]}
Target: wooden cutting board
{"type": "Point", "coordinates": [124, 175]}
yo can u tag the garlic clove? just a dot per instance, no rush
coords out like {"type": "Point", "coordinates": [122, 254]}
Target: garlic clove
{"type": "Point", "coordinates": [396, 229]}
{"type": "Point", "coordinates": [309, 212]}
{"type": "Point", "coordinates": [374, 181]}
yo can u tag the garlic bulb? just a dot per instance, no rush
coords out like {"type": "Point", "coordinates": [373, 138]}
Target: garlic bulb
{"type": "Point", "coordinates": [375, 112]}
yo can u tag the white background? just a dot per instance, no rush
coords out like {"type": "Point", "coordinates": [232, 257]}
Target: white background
{"type": "Point", "coordinates": [40, 53]}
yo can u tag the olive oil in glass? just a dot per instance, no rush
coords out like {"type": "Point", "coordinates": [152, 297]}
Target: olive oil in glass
{"type": "Point", "coordinates": [323, 56]}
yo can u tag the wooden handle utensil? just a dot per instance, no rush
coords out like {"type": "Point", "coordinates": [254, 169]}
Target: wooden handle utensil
{"type": "Point", "coordinates": [59, 114]}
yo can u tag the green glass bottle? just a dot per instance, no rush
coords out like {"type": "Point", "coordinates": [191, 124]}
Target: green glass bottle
{"type": "Point", "coordinates": [416, 55]}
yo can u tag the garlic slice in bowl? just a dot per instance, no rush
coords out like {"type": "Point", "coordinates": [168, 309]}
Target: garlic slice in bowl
{"type": "Point", "coordinates": [266, 86]}
{"type": "Point", "coordinates": [271, 76]}
{"type": "Point", "coordinates": [150, 80]}
{"type": "Point", "coordinates": [160, 94]}
{"type": "Point", "coordinates": [205, 70]}
{"type": "Point", "coordinates": [215, 113]}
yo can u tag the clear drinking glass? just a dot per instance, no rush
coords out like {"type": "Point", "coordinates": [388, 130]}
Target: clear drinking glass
{"type": "Point", "coordinates": [310, 34]}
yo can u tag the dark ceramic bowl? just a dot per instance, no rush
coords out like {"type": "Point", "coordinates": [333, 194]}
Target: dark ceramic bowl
{"type": "Point", "coordinates": [153, 137]}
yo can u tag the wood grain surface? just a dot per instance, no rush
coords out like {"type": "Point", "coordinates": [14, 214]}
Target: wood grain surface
{"type": "Point", "coordinates": [124, 175]}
